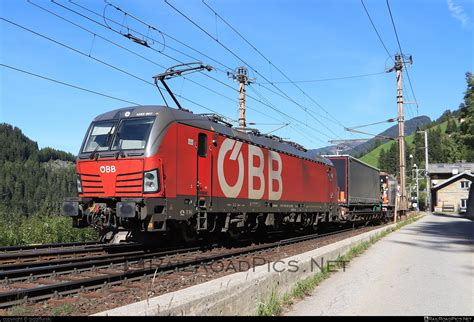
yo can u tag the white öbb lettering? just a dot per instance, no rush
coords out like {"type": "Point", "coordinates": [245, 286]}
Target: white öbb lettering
{"type": "Point", "coordinates": [107, 168]}
{"type": "Point", "coordinates": [255, 171]}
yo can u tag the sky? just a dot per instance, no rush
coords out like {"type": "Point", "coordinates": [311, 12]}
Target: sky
{"type": "Point", "coordinates": [310, 42]}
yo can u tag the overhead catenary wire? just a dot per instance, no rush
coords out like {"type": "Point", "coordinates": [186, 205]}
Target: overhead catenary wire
{"type": "Point", "coordinates": [291, 117]}
{"type": "Point", "coordinates": [331, 118]}
{"type": "Point", "coordinates": [126, 13]}
{"type": "Point", "coordinates": [255, 99]}
{"type": "Point", "coordinates": [271, 64]}
{"type": "Point", "coordinates": [154, 28]}
{"type": "Point", "coordinates": [231, 51]}
{"type": "Point", "coordinates": [376, 31]}
{"type": "Point", "coordinates": [103, 62]}
{"type": "Point", "coordinates": [137, 32]}
{"type": "Point", "coordinates": [296, 129]}
{"type": "Point", "coordinates": [142, 79]}
{"type": "Point", "coordinates": [128, 50]}
{"type": "Point", "coordinates": [150, 26]}
{"type": "Point", "coordinates": [68, 84]}
{"type": "Point", "coordinates": [250, 66]}
{"type": "Point", "coordinates": [401, 52]}
{"type": "Point", "coordinates": [150, 47]}
{"type": "Point", "coordinates": [329, 79]}
{"type": "Point", "coordinates": [141, 56]}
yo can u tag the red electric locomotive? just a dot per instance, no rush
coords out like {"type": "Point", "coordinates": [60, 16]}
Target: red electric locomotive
{"type": "Point", "coordinates": [160, 169]}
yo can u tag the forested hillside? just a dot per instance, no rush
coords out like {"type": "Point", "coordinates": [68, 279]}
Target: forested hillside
{"type": "Point", "coordinates": [33, 184]}
{"type": "Point", "coordinates": [32, 180]}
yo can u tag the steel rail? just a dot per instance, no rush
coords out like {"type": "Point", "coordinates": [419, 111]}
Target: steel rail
{"type": "Point", "coordinates": [96, 262]}
{"type": "Point", "coordinates": [43, 246]}
{"type": "Point", "coordinates": [10, 256]}
{"type": "Point", "coordinates": [13, 297]}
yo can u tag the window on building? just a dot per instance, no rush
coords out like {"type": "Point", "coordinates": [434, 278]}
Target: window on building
{"type": "Point", "coordinates": [465, 184]}
{"type": "Point", "coordinates": [463, 203]}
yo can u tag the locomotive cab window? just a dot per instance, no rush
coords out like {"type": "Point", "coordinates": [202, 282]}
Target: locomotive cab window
{"type": "Point", "coordinates": [133, 133]}
{"type": "Point", "coordinates": [98, 138]}
{"type": "Point", "coordinates": [202, 145]}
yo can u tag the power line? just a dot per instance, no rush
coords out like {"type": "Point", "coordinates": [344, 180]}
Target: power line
{"type": "Point", "coordinates": [109, 65]}
{"type": "Point", "coordinates": [401, 52]}
{"type": "Point", "coordinates": [103, 62]}
{"type": "Point", "coordinates": [150, 26]}
{"type": "Point", "coordinates": [150, 47]}
{"type": "Point", "coordinates": [137, 32]}
{"type": "Point", "coordinates": [69, 85]}
{"type": "Point", "coordinates": [76, 51]}
{"type": "Point", "coordinates": [296, 129]}
{"type": "Point", "coordinates": [165, 34]}
{"type": "Point", "coordinates": [247, 64]}
{"type": "Point", "coordinates": [268, 60]}
{"type": "Point", "coordinates": [329, 79]}
{"type": "Point", "coordinates": [135, 53]}
{"type": "Point", "coordinates": [289, 116]}
{"type": "Point", "coordinates": [376, 31]}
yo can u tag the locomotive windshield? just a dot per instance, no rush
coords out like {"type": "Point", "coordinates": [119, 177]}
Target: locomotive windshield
{"type": "Point", "coordinates": [133, 134]}
{"type": "Point", "coordinates": [99, 136]}
{"type": "Point", "coordinates": [129, 134]}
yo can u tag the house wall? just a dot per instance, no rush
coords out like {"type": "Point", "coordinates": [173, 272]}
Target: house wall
{"type": "Point", "coordinates": [451, 195]}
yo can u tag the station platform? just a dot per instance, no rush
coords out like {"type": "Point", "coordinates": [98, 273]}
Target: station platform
{"type": "Point", "coordinates": [426, 268]}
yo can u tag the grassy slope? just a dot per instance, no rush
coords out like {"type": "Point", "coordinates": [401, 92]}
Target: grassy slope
{"type": "Point", "coordinates": [372, 157]}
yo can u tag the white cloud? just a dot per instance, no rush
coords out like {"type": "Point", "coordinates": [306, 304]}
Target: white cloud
{"type": "Point", "coordinates": [458, 12]}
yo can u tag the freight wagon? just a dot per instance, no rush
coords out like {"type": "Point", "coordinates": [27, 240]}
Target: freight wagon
{"type": "Point", "coordinates": [359, 188]}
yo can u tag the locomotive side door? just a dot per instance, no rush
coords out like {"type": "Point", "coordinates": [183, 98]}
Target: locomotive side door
{"type": "Point", "coordinates": [203, 172]}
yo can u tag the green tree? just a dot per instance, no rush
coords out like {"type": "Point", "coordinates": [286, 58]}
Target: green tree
{"type": "Point", "coordinates": [466, 127]}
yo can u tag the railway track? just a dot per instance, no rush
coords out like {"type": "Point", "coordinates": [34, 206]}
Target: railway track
{"type": "Point", "coordinates": [6, 249]}
{"type": "Point", "coordinates": [45, 254]}
{"type": "Point", "coordinates": [20, 283]}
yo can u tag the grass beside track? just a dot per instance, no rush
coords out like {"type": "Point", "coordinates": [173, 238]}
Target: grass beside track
{"type": "Point", "coordinates": [40, 229]}
{"type": "Point", "coordinates": [275, 304]}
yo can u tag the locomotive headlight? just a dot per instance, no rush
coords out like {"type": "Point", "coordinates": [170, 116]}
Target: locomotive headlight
{"type": "Point", "coordinates": [79, 185]}
{"type": "Point", "coordinates": [150, 181]}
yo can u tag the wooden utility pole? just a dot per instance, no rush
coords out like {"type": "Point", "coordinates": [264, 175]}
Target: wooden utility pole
{"type": "Point", "coordinates": [398, 68]}
{"type": "Point", "coordinates": [241, 75]}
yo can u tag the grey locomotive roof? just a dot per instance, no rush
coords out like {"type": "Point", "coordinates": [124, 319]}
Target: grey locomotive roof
{"type": "Point", "coordinates": [168, 115]}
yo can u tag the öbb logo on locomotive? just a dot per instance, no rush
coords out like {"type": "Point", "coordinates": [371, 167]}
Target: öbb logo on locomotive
{"type": "Point", "coordinates": [231, 151]}
{"type": "Point", "coordinates": [107, 169]}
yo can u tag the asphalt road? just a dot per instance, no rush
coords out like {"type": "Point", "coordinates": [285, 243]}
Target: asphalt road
{"type": "Point", "coordinates": [426, 268]}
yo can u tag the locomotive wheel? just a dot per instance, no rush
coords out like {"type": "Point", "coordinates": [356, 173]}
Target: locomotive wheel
{"type": "Point", "coordinates": [236, 234]}
{"type": "Point", "coordinates": [188, 234]}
